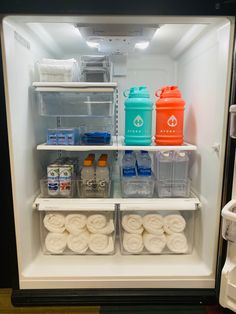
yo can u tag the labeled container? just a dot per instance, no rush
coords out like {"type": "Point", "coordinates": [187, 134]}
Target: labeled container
{"type": "Point", "coordinates": [150, 231]}
{"type": "Point", "coordinates": [169, 116]}
{"type": "Point", "coordinates": [138, 116]}
{"type": "Point", "coordinates": [82, 232]}
{"type": "Point", "coordinates": [58, 188]}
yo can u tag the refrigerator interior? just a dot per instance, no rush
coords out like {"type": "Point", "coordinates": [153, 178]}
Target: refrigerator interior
{"type": "Point", "coordinates": [195, 54]}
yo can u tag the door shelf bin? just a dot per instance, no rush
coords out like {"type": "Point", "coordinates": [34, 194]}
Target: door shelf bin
{"type": "Point", "coordinates": [57, 189]}
{"type": "Point", "coordinates": [92, 189]}
{"type": "Point", "coordinates": [152, 231]}
{"type": "Point", "coordinates": [85, 232]}
{"type": "Point", "coordinates": [229, 221]}
{"type": "Point", "coordinates": [177, 188]}
{"type": "Point", "coordinates": [71, 103]}
{"type": "Point", "coordinates": [139, 186]}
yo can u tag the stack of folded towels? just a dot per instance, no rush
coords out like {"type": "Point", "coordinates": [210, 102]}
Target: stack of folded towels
{"type": "Point", "coordinates": [154, 232]}
{"type": "Point", "coordinates": [78, 233]}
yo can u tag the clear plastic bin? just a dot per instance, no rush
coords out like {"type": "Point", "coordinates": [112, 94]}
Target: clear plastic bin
{"type": "Point", "coordinates": [52, 70]}
{"type": "Point", "coordinates": [95, 135]}
{"type": "Point", "coordinates": [147, 232]}
{"type": "Point", "coordinates": [229, 221]}
{"type": "Point", "coordinates": [92, 189]}
{"type": "Point", "coordinates": [138, 186]}
{"type": "Point", "coordinates": [178, 188]}
{"type": "Point", "coordinates": [57, 189]}
{"type": "Point", "coordinates": [94, 68]}
{"type": "Point", "coordinates": [85, 232]}
{"type": "Point", "coordinates": [72, 104]}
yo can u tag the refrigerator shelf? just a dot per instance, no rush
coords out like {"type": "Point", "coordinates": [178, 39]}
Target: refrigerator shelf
{"type": "Point", "coordinates": [74, 86]}
{"type": "Point", "coordinates": [117, 144]}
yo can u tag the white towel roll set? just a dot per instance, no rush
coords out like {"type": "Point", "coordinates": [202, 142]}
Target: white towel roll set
{"type": "Point", "coordinates": [155, 233]}
{"type": "Point", "coordinates": [79, 233]}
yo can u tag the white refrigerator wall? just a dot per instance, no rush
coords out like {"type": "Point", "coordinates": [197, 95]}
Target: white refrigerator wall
{"type": "Point", "coordinates": [201, 73]}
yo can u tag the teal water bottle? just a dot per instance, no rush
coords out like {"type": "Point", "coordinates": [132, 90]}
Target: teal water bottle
{"type": "Point", "coordinates": [138, 116]}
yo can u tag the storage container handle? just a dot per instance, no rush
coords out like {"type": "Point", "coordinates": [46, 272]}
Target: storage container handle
{"type": "Point", "coordinates": [158, 92]}
{"type": "Point", "coordinates": [227, 211]}
{"type": "Point", "coordinates": [126, 92]}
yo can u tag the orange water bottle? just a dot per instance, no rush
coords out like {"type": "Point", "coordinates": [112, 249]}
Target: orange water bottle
{"type": "Point", "coordinates": [169, 116]}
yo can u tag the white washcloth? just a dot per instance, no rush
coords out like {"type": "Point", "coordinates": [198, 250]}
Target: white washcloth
{"type": "Point", "coordinates": [78, 243]}
{"type": "Point", "coordinates": [132, 243]}
{"type": "Point", "coordinates": [56, 242]}
{"type": "Point", "coordinates": [54, 222]}
{"type": "Point", "coordinates": [101, 243]}
{"type": "Point", "coordinates": [153, 223]}
{"type": "Point", "coordinates": [174, 223]}
{"type": "Point", "coordinates": [56, 69]}
{"type": "Point", "coordinates": [177, 243]}
{"type": "Point", "coordinates": [75, 223]}
{"type": "Point", "coordinates": [154, 243]}
{"type": "Point", "coordinates": [132, 223]}
{"type": "Point", "coordinates": [58, 61]}
{"type": "Point", "coordinates": [100, 224]}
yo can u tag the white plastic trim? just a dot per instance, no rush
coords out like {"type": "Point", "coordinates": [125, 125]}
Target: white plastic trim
{"type": "Point", "coordinates": [75, 84]}
{"type": "Point", "coordinates": [227, 211]}
{"type": "Point", "coordinates": [232, 108]}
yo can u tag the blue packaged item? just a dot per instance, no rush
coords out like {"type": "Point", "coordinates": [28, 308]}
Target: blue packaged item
{"type": "Point", "coordinates": [62, 136]}
{"type": "Point", "coordinates": [96, 138]}
{"type": "Point", "coordinates": [144, 164]}
{"type": "Point", "coordinates": [128, 164]}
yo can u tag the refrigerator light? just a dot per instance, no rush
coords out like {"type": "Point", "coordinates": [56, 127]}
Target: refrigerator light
{"type": "Point", "coordinates": [142, 45]}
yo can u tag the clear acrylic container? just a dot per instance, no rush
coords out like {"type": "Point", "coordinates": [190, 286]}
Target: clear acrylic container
{"type": "Point", "coordinates": [178, 188]}
{"type": "Point", "coordinates": [85, 232]}
{"type": "Point", "coordinates": [57, 189]}
{"type": "Point", "coordinates": [96, 135]}
{"type": "Point", "coordinates": [229, 221]}
{"type": "Point", "coordinates": [92, 189]}
{"type": "Point", "coordinates": [94, 68]}
{"type": "Point", "coordinates": [137, 186]}
{"type": "Point", "coordinates": [72, 104]}
{"type": "Point", "coordinates": [52, 70]}
{"type": "Point", "coordinates": [148, 232]}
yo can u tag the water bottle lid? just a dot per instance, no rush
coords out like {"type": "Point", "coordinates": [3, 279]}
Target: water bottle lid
{"type": "Point", "coordinates": [144, 152]}
{"type": "Point", "coordinates": [128, 152]}
{"type": "Point", "coordinates": [168, 92]}
{"type": "Point", "coordinates": [138, 92]}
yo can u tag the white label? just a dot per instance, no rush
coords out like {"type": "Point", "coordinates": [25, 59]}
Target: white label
{"type": "Point", "coordinates": [172, 121]}
{"type": "Point", "coordinates": [138, 121]}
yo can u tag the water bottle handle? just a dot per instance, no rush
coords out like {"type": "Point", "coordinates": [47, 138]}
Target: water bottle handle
{"type": "Point", "coordinates": [158, 92]}
{"type": "Point", "coordinates": [125, 93]}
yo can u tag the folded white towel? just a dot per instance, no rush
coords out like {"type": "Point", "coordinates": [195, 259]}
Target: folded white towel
{"type": "Point", "coordinates": [174, 223]}
{"type": "Point", "coordinates": [56, 242]}
{"type": "Point", "coordinates": [132, 223]}
{"type": "Point", "coordinates": [54, 222]}
{"type": "Point", "coordinates": [100, 224]}
{"type": "Point", "coordinates": [177, 243]}
{"type": "Point", "coordinates": [132, 243]}
{"type": "Point", "coordinates": [154, 243]}
{"type": "Point", "coordinates": [56, 69]}
{"type": "Point", "coordinates": [78, 243]}
{"type": "Point", "coordinates": [58, 61]}
{"type": "Point", "coordinates": [75, 223]}
{"type": "Point", "coordinates": [101, 243]}
{"type": "Point", "coordinates": [153, 223]}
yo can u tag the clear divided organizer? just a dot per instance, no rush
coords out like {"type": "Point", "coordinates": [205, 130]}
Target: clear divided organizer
{"type": "Point", "coordinates": [153, 231]}
{"type": "Point", "coordinates": [83, 232]}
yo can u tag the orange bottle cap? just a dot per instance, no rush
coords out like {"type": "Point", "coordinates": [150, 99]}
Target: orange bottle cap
{"type": "Point", "coordinates": [88, 162]}
{"type": "Point", "coordinates": [102, 163]}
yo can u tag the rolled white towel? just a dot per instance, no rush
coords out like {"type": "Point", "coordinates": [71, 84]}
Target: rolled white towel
{"type": "Point", "coordinates": [153, 223]}
{"type": "Point", "coordinates": [132, 223]}
{"type": "Point", "coordinates": [174, 223]}
{"type": "Point", "coordinates": [132, 243]}
{"type": "Point", "coordinates": [101, 243]}
{"type": "Point", "coordinates": [100, 224]}
{"type": "Point", "coordinates": [78, 243]}
{"type": "Point", "coordinates": [56, 242]}
{"type": "Point", "coordinates": [54, 222]}
{"type": "Point", "coordinates": [177, 243]}
{"type": "Point", "coordinates": [75, 223]}
{"type": "Point", "coordinates": [154, 243]}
